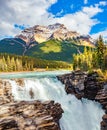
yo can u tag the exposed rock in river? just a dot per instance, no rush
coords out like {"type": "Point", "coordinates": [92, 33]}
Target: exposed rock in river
{"type": "Point", "coordinates": [5, 92]}
{"type": "Point", "coordinates": [27, 115]}
{"type": "Point", "coordinates": [20, 82]}
{"type": "Point", "coordinates": [74, 83]}
{"type": "Point", "coordinates": [92, 85]}
{"type": "Point", "coordinates": [36, 115]}
{"type": "Point", "coordinates": [88, 86]}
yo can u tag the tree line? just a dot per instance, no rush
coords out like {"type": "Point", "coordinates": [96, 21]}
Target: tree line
{"type": "Point", "coordinates": [11, 62]}
{"type": "Point", "coordinates": [92, 58]}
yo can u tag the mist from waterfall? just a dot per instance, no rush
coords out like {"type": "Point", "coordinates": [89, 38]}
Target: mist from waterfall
{"type": "Point", "coordinates": [78, 114]}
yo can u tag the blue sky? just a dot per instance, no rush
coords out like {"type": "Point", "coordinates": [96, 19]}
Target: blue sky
{"type": "Point", "coordinates": [83, 16]}
{"type": "Point", "coordinates": [72, 6]}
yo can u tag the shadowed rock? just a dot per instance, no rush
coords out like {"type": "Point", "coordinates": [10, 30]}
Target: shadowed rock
{"type": "Point", "coordinates": [30, 116]}
{"type": "Point", "coordinates": [88, 86]}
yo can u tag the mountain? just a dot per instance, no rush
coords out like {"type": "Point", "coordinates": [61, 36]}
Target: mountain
{"type": "Point", "coordinates": [55, 50]}
{"type": "Point", "coordinates": [13, 46]}
{"type": "Point", "coordinates": [53, 42]}
{"type": "Point", "coordinates": [57, 31]}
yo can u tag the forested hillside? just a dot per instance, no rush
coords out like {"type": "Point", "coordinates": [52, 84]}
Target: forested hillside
{"type": "Point", "coordinates": [55, 50]}
{"type": "Point", "coordinates": [92, 58]}
{"type": "Point", "coordinates": [9, 63]}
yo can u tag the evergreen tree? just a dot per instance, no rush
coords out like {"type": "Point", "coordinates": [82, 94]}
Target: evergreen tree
{"type": "Point", "coordinates": [83, 61]}
{"type": "Point", "coordinates": [105, 59]}
{"type": "Point", "coordinates": [8, 63]}
{"type": "Point", "coordinates": [18, 65]}
{"type": "Point", "coordinates": [13, 64]}
{"type": "Point", "coordinates": [100, 51]}
{"type": "Point", "coordinates": [4, 64]}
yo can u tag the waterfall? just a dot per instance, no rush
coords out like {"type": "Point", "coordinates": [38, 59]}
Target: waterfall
{"type": "Point", "coordinates": [78, 114]}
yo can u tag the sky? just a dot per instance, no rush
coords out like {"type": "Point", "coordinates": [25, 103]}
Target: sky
{"type": "Point", "coordinates": [88, 17]}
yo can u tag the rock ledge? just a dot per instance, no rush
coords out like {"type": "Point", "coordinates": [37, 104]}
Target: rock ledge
{"type": "Point", "coordinates": [90, 86]}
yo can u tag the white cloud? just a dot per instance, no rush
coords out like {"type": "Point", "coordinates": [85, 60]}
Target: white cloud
{"type": "Point", "coordinates": [103, 33]}
{"type": "Point", "coordinates": [85, 1]}
{"type": "Point", "coordinates": [25, 12]}
{"type": "Point", "coordinates": [92, 10]}
{"type": "Point", "coordinates": [81, 21]}
{"type": "Point", "coordinates": [103, 3]}
{"type": "Point", "coordinates": [35, 12]}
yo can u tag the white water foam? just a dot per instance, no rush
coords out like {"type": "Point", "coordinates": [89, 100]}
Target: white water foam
{"type": "Point", "coordinates": [78, 115]}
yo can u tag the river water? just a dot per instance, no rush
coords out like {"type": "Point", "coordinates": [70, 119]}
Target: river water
{"type": "Point", "coordinates": [78, 114]}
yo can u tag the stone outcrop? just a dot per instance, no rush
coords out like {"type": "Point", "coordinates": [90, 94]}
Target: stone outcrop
{"type": "Point", "coordinates": [104, 122]}
{"type": "Point", "coordinates": [26, 115]}
{"type": "Point", "coordinates": [30, 116]}
{"type": "Point", "coordinates": [74, 83]}
{"type": "Point", "coordinates": [102, 98]}
{"type": "Point", "coordinates": [20, 82]}
{"type": "Point", "coordinates": [90, 86]}
{"type": "Point", "coordinates": [5, 92]}
{"type": "Point", "coordinates": [96, 89]}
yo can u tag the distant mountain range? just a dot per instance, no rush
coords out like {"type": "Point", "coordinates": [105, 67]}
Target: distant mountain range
{"type": "Point", "coordinates": [53, 42]}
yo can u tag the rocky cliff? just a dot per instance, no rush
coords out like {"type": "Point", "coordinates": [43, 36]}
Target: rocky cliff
{"type": "Point", "coordinates": [57, 31]}
{"type": "Point", "coordinates": [90, 86]}
{"type": "Point", "coordinates": [27, 115]}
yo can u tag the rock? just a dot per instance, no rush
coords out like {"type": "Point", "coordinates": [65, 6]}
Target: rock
{"type": "Point", "coordinates": [26, 115]}
{"type": "Point", "coordinates": [5, 92]}
{"type": "Point", "coordinates": [95, 89]}
{"type": "Point", "coordinates": [57, 31]}
{"type": "Point", "coordinates": [20, 82]}
{"type": "Point", "coordinates": [104, 123]}
{"type": "Point", "coordinates": [90, 86]}
{"type": "Point", "coordinates": [74, 83]}
{"type": "Point", "coordinates": [31, 93]}
{"type": "Point", "coordinates": [32, 115]}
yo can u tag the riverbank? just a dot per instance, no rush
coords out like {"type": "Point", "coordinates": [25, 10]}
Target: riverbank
{"type": "Point", "coordinates": [18, 72]}
{"type": "Point", "coordinates": [36, 70]}
{"type": "Point", "coordinates": [48, 88]}
{"type": "Point", "coordinates": [33, 74]}
{"type": "Point", "coordinates": [90, 86]}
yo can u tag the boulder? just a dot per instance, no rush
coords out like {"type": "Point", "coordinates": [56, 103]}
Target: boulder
{"type": "Point", "coordinates": [20, 82]}
{"type": "Point", "coordinates": [74, 83]}
{"type": "Point", "coordinates": [26, 115]}
{"type": "Point", "coordinates": [90, 86]}
{"type": "Point", "coordinates": [32, 115]}
{"type": "Point", "coordinates": [5, 92]}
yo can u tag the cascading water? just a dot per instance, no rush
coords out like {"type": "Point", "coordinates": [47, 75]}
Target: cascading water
{"type": "Point", "coordinates": [78, 115]}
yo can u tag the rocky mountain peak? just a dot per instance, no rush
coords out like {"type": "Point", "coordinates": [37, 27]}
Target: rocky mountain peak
{"type": "Point", "coordinates": [58, 31]}
{"type": "Point", "coordinates": [56, 26]}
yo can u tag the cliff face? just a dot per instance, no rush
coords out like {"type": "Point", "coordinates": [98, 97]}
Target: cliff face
{"type": "Point", "coordinates": [57, 31]}
{"type": "Point", "coordinates": [89, 86]}
{"type": "Point", "coordinates": [27, 115]}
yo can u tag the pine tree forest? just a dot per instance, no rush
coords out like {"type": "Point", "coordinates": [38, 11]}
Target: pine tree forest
{"type": "Point", "coordinates": [9, 63]}
{"type": "Point", "coordinates": [92, 58]}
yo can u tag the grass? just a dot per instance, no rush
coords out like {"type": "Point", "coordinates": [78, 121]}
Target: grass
{"type": "Point", "coordinates": [51, 47]}
{"type": "Point", "coordinates": [55, 50]}
{"type": "Point", "coordinates": [102, 74]}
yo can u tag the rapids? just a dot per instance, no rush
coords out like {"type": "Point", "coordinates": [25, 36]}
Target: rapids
{"type": "Point", "coordinates": [78, 114]}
